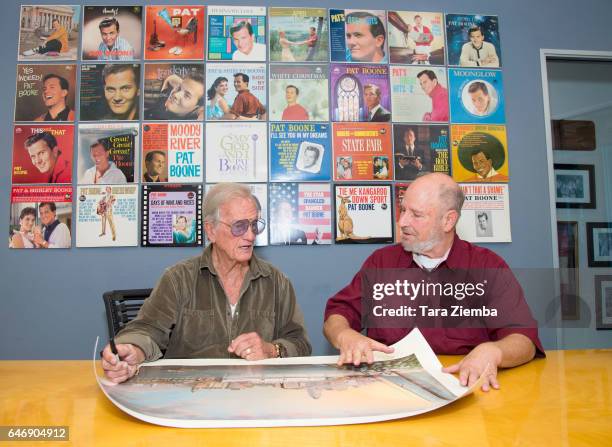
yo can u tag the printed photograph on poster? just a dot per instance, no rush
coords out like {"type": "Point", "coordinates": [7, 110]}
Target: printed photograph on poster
{"type": "Point", "coordinates": [171, 215]}
{"type": "Point", "coordinates": [360, 93]}
{"type": "Point", "coordinates": [174, 32]}
{"type": "Point", "coordinates": [419, 149]}
{"type": "Point", "coordinates": [358, 35]}
{"type": "Point", "coordinates": [363, 214]}
{"type": "Point", "coordinates": [45, 92]}
{"type": "Point", "coordinates": [40, 217]}
{"type": "Point", "coordinates": [300, 214]}
{"type": "Point", "coordinates": [42, 153]}
{"type": "Point", "coordinates": [110, 92]}
{"type": "Point", "coordinates": [236, 152]}
{"type": "Point", "coordinates": [603, 302]}
{"type": "Point", "coordinates": [172, 152]}
{"type": "Point", "coordinates": [298, 35]}
{"type": "Point", "coordinates": [112, 33]}
{"type": "Point", "coordinates": [237, 33]}
{"type": "Point", "coordinates": [399, 190]}
{"type": "Point", "coordinates": [246, 99]}
{"type": "Point", "coordinates": [575, 186]}
{"type": "Point", "coordinates": [480, 153]}
{"type": "Point", "coordinates": [108, 153]}
{"type": "Point", "coordinates": [107, 216]}
{"type": "Point", "coordinates": [476, 96]}
{"type": "Point", "coordinates": [300, 151]}
{"type": "Point", "coordinates": [473, 40]}
{"type": "Point", "coordinates": [416, 37]}
{"type": "Point", "coordinates": [485, 216]}
{"type": "Point", "coordinates": [362, 151]}
{"type": "Point", "coordinates": [49, 33]}
{"type": "Point", "coordinates": [174, 92]}
{"type": "Point", "coordinates": [260, 191]}
{"type": "Point", "coordinates": [599, 244]}
{"type": "Point", "coordinates": [299, 93]}
{"type": "Point", "coordinates": [419, 94]}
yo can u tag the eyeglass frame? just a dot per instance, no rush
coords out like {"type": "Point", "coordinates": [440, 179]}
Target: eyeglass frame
{"type": "Point", "coordinates": [251, 224]}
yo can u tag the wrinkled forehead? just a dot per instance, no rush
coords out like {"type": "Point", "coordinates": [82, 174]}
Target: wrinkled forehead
{"type": "Point", "coordinates": [238, 208]}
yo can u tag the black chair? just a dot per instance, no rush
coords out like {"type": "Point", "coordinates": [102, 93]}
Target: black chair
{"type": "Point", "coordinates": [122, 306]}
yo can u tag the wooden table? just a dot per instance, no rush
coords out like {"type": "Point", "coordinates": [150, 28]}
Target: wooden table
{"type": "Point", "coordinates": [565, 399]}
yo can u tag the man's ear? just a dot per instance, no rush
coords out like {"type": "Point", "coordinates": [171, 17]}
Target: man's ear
{"type": "Point", "coordinates": [449, 220]}
{"type": "Point", "coordinates": [209, 228]}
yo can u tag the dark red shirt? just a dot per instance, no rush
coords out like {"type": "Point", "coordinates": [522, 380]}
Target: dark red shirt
{"type": "Point", "coordinates": [443, 340]}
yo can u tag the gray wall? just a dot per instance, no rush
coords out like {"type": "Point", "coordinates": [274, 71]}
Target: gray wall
{"type": "Point", "coordinates": [51, 306]}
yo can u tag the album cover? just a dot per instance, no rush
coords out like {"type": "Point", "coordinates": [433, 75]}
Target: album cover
{"type": "Point", "coordinates": [358, 35]}
{"type": "Point", "coordinates": [473, 40]}
{"type": "Point", "coordinates": [416, 37]}
{"type": "Point", "coordinates": [362, 151]}
{"type": "Point", "coordinates": [363, 214]}
{"type": "Point", "coordinates": [419, 149]}
{"type": "Point", "coordinates": [112, 33]}
{"type": "Point", "coordinates": [419, 94]}
{"type": "Point", "coordinates": [40, 217]}
{"type": "Point", "coordinates": [107, 216]}
{"type": "Point", "coordinates": [476, 96]}
{"type": "Point", "coordinates": [480, 153]}
{"type": "Point", "coordinates": [108, 153]}
{"type": "Point", "coordinates": [174, 32]}
{"type": "Point", "coordinates": [300, 151]}
{"type": "Point", "coordinates": [298, 35]}
{"type": "Point", "coordinates": [42, 153]}
{"type": "Point", "coordinates": [237, 33]}
{"type": "Point", "coordinates": [173, 152]}
{"type": "Point", "coordinates": [45, 92]}
{"type": "Point", "coordinates": [171, 215]}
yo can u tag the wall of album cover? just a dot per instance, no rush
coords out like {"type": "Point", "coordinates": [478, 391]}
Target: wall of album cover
{"type": "Point", "coordinates": [136, 126]}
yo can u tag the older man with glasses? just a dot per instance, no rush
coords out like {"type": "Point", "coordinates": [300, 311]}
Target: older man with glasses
{"type": "Point", "coordinates": [224, 303]}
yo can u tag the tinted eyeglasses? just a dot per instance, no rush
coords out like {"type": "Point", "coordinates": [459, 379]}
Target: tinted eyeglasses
{"type": "Point", "coordinates": [240, 227]}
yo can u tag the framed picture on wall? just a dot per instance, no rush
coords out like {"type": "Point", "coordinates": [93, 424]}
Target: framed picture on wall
{"type": "Point", "coordinates": [599, 244]}
{"type": "Point", "coordinates": [575, 186]}
{"type": "Point", "coordinates": [603, 301]}
{"type": "Point", "coordinates": [567, 239]}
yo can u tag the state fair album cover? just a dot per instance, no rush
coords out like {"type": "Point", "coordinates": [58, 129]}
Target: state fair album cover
{"type": "Point", "coordinates": [300, 152]}
{"type": "Point", "coordinates": [171, 215]}
{"type": "Point", "coordinates": [300, 214]}
{"type": "Point", "coordinates": [49, 33]}
{"type": "Point", "coordinates": [416, 38]}
{"type": "Point", "coordinates": [42, 153]}
{"type": "Point", "coordinates": [360, 93]}
{"type": "Point", "coordinates": [112, 33]}
{"type": "Point", "coordinates": [172, 152]}
{"type": "Point", "coordinates": [362, 151]}
{"type": "Point", "coordinates": [237, 33]}
{"type": "Point", "coordinates": [419, 94]}
{"type": "Point", "coordinates": [41, 216]}
{"type": "Point", "coordinates": [363, 214]}
{"type": "Point", "coordinates": [298, 35]}
{"type": "Point", "coordinates": [108, 153]}
{"type": "Point", "coordinates": [174, 32]}
{"type": "Point", "coordinates": [236, 152]}
{"type": "Point", "coordinates": [419, 149]}
{"type": "Point", "coordinates": [45, 92]}
{"type": "Point", "coordinates": [299, 92]}
{"type": "Point", "coordinates": [107, 216]}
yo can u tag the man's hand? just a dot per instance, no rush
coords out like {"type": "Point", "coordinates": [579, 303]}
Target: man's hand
{"type": "Point", "coordinates": [250, 346]}
{"type": "Point", "coordinates": [355, 348]}
{"type": "Point", "coordinates": [172, 81]}
{"type": "Point", "coordinates": [121, 369]}
{"type": "Point", "coordinates": [484, 358]}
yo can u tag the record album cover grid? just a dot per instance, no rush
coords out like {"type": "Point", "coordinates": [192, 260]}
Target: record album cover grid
{"type": "Point", "coordinates": [123, 113]}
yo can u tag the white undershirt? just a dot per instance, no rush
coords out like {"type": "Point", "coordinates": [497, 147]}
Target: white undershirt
{"type": "Point", "coordinates": [428, 263]}
{"type": "Point", "coordinates": [233, 308]}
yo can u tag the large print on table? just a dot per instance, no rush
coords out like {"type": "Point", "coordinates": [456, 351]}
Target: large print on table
{"type": "Point", "coordinates": [288, 392]}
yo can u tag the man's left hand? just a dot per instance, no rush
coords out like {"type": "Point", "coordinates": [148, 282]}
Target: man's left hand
{"type": "Point", "coordinates": [250, 346]}
{"type": "Point", "coordinates": [484, 358]}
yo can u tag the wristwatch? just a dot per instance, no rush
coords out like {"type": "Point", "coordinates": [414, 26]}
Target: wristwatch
{"type": "Point", "coordinates": [280, 350]}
